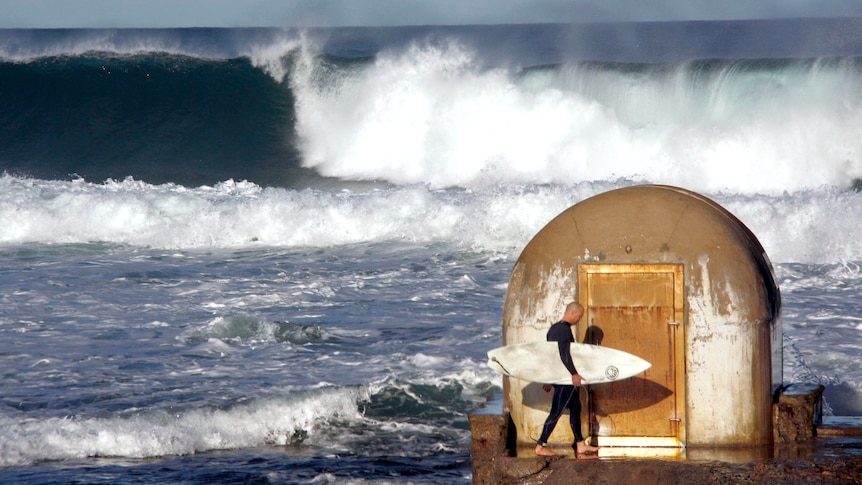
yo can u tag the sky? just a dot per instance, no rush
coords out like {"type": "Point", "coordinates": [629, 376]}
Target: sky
{"type": "Point", "coordinates": [328, 13]}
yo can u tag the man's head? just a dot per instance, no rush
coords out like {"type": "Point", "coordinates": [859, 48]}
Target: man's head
{"type": "Point", "coordinates": [574, 312]}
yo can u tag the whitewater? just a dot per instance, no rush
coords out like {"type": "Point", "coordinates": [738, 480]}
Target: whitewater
{"type": "Point", "coordinates": [276, 255]}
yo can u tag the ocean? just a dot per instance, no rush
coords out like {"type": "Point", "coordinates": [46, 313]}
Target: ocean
{"type": "Point", "coordinates": [280, 255]}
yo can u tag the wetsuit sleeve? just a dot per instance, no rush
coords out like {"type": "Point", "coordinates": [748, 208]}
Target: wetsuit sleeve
{"type": "Point", "coordinates": [562, 334]}
{"type": "Point", "coordinates": [566, 356]}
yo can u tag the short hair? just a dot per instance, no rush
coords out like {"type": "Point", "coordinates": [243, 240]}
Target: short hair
{"type": "Point", "coordinates": [574, 306]}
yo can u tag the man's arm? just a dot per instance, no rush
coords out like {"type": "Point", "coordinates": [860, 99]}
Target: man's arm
{"type": "Point", "coordinates": [563, 337]}
{"type": "Point", "coordinates": [566, 355]}
{"type": "Point", "coordinates": [562, 334]}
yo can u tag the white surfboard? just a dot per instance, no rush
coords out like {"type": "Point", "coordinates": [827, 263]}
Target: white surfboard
{"type": "Point", "coordinates": [540, 362]}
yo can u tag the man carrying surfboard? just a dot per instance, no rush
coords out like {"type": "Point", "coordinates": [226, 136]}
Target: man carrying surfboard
{"type": "Point", "coordinates": [565, 396]}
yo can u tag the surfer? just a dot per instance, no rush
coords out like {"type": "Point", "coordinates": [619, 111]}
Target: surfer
{"type": "Point", "coordinates": [565, 396]}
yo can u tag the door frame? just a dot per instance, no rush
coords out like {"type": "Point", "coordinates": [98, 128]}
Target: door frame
{"type": "Point", "coordinates": [677, 333]}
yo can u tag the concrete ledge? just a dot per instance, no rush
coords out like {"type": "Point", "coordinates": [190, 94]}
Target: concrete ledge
{"type": "Point", "coordinates": [840, 426]}
{"type": "Point", "coordinates": [527, 471]}
{"type": "Point", "coordinates": [488, 446]}
{"type": "Point", "coordinates": [822, 467]}
{"type": "Point", "coordinates": [830, 461]}
{"type": "Point", "coordinates": [796, 413]}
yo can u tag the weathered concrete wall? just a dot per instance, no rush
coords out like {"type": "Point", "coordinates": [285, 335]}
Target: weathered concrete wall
{"type": "Point", "coordinates": [732, 304]}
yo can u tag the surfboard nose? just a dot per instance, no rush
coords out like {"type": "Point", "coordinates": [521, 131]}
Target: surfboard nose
{"type": "Point", "coordinates": [493, 363]}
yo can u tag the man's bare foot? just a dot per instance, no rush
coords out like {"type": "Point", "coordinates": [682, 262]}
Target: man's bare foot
{"type": "Point", "coordinates": [544, 451]}
{"type": "Point", "coordinates": [583, 448]}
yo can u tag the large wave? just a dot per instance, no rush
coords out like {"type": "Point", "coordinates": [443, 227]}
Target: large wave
{"type": "Point", "coordinates": [428, 115]}
{"type": "Point", "coordinates": [179, 139]}
{"type": "Point", "coordinates": [172, 108]}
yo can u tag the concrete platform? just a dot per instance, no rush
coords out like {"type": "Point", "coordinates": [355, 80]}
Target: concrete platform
{"type": "Point", "coordinates": [833, 456]}
{"type": "Point", "coordinates": [830, 459]}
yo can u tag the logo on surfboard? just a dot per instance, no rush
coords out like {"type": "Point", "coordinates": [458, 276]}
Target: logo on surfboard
{"type": "Point", "coordinates": [611, 372]}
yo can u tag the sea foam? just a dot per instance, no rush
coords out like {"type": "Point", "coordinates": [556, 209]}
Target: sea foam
{"type": "Point", "coordinates": [814, 226]}
{"type": "Point", "coordinates": [274, 421]}
{"type": "Point", "coordinates": [432, 114]}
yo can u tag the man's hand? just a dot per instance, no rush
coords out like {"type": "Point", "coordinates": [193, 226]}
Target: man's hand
{"type": "Point", "coordinates": [577, 380]}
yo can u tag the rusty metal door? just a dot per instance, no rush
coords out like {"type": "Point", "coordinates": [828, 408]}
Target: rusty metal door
{"type": "Point", "coordinates": [638, 309]}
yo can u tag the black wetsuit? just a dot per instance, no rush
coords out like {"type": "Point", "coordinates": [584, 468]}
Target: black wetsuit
{"type": "Point", "coordinates": [565, 396]}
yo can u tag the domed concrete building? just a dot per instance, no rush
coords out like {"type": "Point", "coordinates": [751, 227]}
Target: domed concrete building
{"type": "Point", "coordinates": [674, 278]}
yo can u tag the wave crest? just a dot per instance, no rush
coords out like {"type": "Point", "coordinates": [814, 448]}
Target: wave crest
{"type": "Point", "coordinates": [431, 114]}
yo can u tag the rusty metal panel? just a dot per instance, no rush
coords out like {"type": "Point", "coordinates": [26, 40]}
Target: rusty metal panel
{"type": "Point", "coordinates": [637, 308]}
